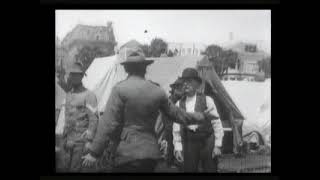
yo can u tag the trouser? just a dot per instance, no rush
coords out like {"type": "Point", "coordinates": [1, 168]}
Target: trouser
{"type": "Point", "coordinates": [143, 165]}
{"type": "Point", "coordinates": [199, 150]}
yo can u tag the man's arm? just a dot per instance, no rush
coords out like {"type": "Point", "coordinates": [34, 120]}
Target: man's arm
{"type": "Point", "coordinates": [216, 122]}
{"type": "Point", "coordinates": [110, 123]}
{"type": "Point", "coordinates": [91, 105]}
{"type": "Point", "coordinates": [178, 115]}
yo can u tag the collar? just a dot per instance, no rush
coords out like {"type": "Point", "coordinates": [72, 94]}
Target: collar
{"type": "Point", "coordinates": [192, 97]}
{"type": "Point", "coordinates": [135, 77]}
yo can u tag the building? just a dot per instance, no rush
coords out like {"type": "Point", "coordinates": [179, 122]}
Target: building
{"type": "Point", "coordinates": [91, 33]}
{"type": "Point", "coordinates": [185, 49]}
{"type": "Point", "coordinates": [84, 35]}
{"type": "Point", "coordinates": [247, 66]}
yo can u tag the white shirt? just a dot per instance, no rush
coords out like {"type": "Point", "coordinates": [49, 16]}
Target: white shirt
{"type": "Point", "coordinates": [216, 124]}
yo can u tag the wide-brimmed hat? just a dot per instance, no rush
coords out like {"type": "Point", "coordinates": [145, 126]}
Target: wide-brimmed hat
{"type": "Point", "coordinates": [76, 68]}
{"type": "Point", "coordinates": [191, 73]}
{"type": "Point", "coordinates": [137, 58]}
{"type": "Point", "coordinates": [179, 81]}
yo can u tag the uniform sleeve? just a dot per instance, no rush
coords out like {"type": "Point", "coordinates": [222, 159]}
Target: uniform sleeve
{"type": "Point", "coordinates": [216, 123]}
{"type": "Point", "coordinates": [111, 122]}
{"type": "Point", "coordinates": [175, 113]}
{"type": "Point", "coordinates": [91, 105]}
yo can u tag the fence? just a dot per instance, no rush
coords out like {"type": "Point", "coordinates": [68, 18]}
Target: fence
{"type": "Point", "coordinates": [250, 163]}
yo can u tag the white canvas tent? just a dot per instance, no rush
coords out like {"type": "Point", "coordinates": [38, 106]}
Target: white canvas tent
{"type": "Point", "coordinates": [105, 72]}
{"type": "Point", "coordinates": [254, 100]}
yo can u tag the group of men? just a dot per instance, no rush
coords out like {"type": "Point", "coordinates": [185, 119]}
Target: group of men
{"type": "Point", "coordinates": [192, 128]}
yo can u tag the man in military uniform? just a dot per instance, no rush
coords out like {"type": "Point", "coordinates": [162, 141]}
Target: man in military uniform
{"type": "Point", "coordinates": [80, 121]}
{"type": "Point", "coordinates": [130, 117]}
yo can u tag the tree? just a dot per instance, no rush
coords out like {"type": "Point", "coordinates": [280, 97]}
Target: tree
{"type": "Point", "coordinates": [89, 52]}
{"type": "Point", "coordinates": [146, 50]}
{"type": "Point", "coordinates": [157, 47]}
{"type": "Point", "coordinates": [214, 54]}
{"type": "Point", "coordinates": [265, 66]}
{"type": "Point", "coordinates": [221, 59]}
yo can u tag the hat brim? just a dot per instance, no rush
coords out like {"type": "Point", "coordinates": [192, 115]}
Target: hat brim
{"type": "Point", "coordinates": [195, 78]}
{"type": "Point", "coordinates": [145, 62]}
{"type": "Point", "coordinates": [76, 71]}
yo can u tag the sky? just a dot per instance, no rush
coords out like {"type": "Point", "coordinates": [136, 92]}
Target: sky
{"type": "Point", "coordinates": [198, 26]}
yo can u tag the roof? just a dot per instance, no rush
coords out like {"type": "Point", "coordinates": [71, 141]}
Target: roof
{"type": "Point", "coordinates": [131, 44]}
{"type": "Point", "coordinates": [80, 29]}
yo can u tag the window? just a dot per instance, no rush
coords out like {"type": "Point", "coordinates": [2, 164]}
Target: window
{"type": "Point", "coordinates": [97, 37]}
{"type": "Point", "coordinates": [250, 48]}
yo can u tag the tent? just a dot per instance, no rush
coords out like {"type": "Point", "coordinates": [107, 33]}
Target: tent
{"type": "Point", "coordinates": [105, 72]}
{"type": "Point", "coordinates": [60, 94]}
{"type": "Point", "coordinates": [254, 100]}
{"type": "Point", "coordinates": [230, 115]}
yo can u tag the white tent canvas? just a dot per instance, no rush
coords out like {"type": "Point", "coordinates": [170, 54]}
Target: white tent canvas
{"type": "Point", "coordinates": [105, 72]}
{"type": "Point", "coordinates": [254, 100]}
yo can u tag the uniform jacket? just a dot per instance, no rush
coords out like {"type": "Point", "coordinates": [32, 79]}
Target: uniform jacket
{"type": "Point", "coordinates": [80, 116]}
{"type": "Point", "coordinates": [129, 119]}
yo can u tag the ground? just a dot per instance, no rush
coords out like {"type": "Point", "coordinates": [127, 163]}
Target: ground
{"type": "Point", "coordinates": [250, 163]}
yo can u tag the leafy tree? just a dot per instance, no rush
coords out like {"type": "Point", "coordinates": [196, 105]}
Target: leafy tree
{"type": "Point", "coordinates": [146, 50]}
{"type": "Point", "coordinates": [265, 66]}
{"type": "Point", "coordinates": [90, 51]}
{"type": "Point", "coordinates": [222, 59]}
{"type": "Point", "coordinates": [157, 47]}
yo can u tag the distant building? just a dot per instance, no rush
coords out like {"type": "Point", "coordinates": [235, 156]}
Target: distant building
{"type": "Point", "coordinates": [184, 49]}
{"type": "Point", "coordinates": [247, 66]}
{"type": "Point", "coordinates": [85, 35]}
{"type": "Point", "coordinates": [91, 33]}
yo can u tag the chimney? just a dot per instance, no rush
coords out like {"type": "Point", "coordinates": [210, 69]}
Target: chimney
{"type": "Point", "coordinates": [230, 36]}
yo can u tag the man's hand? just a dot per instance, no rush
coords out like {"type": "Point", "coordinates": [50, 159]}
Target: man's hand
{"type": "Point", "coordinates": [208, 115]}
{"type": "Point", "coordinates": [88, 160]}
{"type": "Point", "coordinates": [178, 155]}
{"type": "Point", "coordinates": [87, 145]}
{"type": "Point", "coordinates": [197, 116]}
{"type": "Point", "coordinates": [164, 146]}
{"type": "Point", "coordinates": [216, 152]}
{"type": "Point", "coordinates": [58, 149]}
{"type": "Point", "coordinates": [86, 135]}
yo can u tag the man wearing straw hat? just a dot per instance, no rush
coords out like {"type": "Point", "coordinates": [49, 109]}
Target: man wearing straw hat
{"type": "Point", "coordinates": [129, 119]}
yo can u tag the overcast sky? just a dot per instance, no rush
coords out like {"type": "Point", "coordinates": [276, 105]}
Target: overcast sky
{"type": "Point", "coordinates": [203, 26]}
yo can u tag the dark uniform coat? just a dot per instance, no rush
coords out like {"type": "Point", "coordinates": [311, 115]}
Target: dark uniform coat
{"type": "Point", "coordinates": [129, 118]}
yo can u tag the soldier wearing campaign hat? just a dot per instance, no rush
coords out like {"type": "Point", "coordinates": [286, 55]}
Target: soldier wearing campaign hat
{"type": "Point", "coordinates": [129, 119]}
{"type": "Point", "coordinates": [80, 121]}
